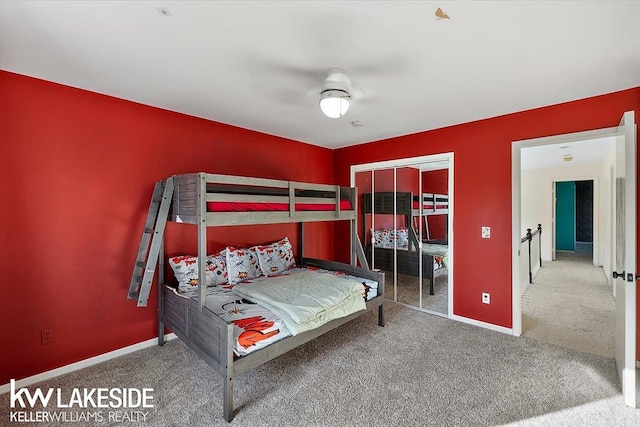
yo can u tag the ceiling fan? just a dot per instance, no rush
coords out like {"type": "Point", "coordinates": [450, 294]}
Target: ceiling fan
{"type": "Point", "coordinates": [335, 94]}
{"type": "Point", "coordinates": [310, 79]}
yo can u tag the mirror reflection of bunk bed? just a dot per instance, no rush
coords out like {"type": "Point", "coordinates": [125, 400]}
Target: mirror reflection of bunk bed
{"type": "Point", "coordinates": [404, 241]}
{"type": "Point", "coordinates": [432, 204]}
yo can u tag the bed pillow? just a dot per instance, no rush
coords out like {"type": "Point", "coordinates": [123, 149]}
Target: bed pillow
{"type": "Point", "coordinates": [220, 273]}
{"type": "Point", "coordinates": [185, 269]}
{"type": "Point", "coordinates": [276, 258]}
{"type": "Point", "coordinates": [402, 235]}
{"type": "Point", "coordinates": [242, 264]}
{"type": "Point", "coordinates": [386, 238]}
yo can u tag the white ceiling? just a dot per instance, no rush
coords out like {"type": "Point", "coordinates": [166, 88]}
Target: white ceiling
{"type": "Point", "coordinates": [587, 152]}
{"type": "Point", "coordinates": [259, 65]}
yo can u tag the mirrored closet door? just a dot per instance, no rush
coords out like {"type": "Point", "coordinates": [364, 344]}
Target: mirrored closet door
{"type": "Point", "coordinates": [401, 234]}
{"type": "Point", "coordinates": [407, 245]}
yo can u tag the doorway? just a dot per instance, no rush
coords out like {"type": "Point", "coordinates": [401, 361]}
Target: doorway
{"type": "Point", "coordinates": [576, 204]}
{"type": "Point", "coordinates": [623, 241]}
{"type": "Point", "coordinates": [545, 181]}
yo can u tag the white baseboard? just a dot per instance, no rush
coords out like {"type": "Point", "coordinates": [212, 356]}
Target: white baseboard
{"type": "Point", "coordinates": [25, 382]}
{"type": "Point", "coordinates": [485, 325]}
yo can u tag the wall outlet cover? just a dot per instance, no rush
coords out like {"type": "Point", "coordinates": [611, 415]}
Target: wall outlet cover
{"type": "Point", "coordinates": [486, 232]}
{"type": "Point", "coordinates": [46, 336]}
{"type": "Point", "coordinates": [486, 298]}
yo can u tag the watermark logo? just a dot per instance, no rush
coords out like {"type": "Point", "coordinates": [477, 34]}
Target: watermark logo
{"type": "Point", "coordinates": [80, 405]}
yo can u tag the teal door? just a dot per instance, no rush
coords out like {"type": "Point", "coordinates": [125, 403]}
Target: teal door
{"type": "Point", "coordinates": [565, 216]}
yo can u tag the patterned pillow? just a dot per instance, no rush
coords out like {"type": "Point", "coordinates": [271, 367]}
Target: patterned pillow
{"type": "Point", "coordinates": [185, 269]}
{"type": "Point", "coordinates": [219, 261]}
{"type": "Point", "coordinates": [276, 258]}
{"type": "Point", "coordinates": [402, 235]}
{"type": "Point", "coordinates": [242, 264]}
{"type": "Point", "coordinates": [387, 238]}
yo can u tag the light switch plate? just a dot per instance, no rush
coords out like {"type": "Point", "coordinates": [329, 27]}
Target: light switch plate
{"type": "Point", "coordinates": [486, 232]}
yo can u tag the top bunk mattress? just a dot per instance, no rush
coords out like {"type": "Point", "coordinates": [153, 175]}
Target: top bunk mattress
{"type": "Point", "coordinates": [429, 206]}
{"type": "Point", "coordinates": [274, 207]}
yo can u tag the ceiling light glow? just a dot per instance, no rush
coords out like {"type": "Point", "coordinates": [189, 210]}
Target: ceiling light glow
{"type": "Point", "coordinates": [334, 103]}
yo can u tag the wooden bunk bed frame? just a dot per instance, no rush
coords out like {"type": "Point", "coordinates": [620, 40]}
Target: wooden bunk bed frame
{"type": "Point", "coordinates": [384, 202]}
{"type": "Point", "coordinates": [207, 334]}
{"type": "Point", "coordinates": [432, 204]}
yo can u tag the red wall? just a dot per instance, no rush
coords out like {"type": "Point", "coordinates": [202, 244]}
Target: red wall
{"type": "Point", "coordinates": [77, 172]}
{"type": "Point", "coordinates": [482, 185]}
{"type": "Point", "coordinates": [437, 182]}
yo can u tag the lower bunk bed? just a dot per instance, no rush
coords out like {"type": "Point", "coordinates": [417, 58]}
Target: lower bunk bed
{"type": "Point", "coordinates": [232, 339]}
{"type": "Point", "coordinates": [434, 263]}
{"type": "Point", "coordinates": [404, 241]}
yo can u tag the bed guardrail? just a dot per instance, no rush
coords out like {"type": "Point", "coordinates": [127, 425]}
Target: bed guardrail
{"type": "Point", "coordinates": [433, 203]}
{"type": "Point", "coordinates": [195, 192]}
{"type": "Point", "coordinates": [530, 253]}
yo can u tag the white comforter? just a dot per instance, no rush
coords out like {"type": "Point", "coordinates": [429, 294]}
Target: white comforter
{"type": "Point", "coordinates": [306, 300]}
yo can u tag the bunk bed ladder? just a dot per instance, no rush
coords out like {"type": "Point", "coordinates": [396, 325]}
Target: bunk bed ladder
{"type": "Point", "coordinates": [426, 227]}
{"type": "Point", "coordinates": [417, 225]}
{"type": "Point", "coordinates": [151, 242]}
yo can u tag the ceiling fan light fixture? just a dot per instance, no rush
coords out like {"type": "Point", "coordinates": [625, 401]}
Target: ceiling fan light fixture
{"type": "Point", "coordinates": [334, 103]}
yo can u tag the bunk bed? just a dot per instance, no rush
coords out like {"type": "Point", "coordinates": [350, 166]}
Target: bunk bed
{"type": "Point", "coordinates": [210, 200]}
{"type": "Point", "coordinates": [431, 204]}
{"type": "Point", "coordinates": [406, 204]}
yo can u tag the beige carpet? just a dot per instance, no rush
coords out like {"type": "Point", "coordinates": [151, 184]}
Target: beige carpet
{"type": "Point", "coordinates": [409, 292]}
{"type": "Point", "coordinates": [570, 305]}
{"type": "Point", "coordinates": [418, 370]}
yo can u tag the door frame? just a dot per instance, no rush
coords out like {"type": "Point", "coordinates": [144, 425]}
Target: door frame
{"type": "Point", "coordinates": [626, 301]}
{"type": "Point", "coordinates": [516, 166]}
{"type": "Point", "coordinates": [596, 212]}
{"type": "Point", "coordinates": [564, 216]}
{"type": "Point", "coordinates": [411, 161]}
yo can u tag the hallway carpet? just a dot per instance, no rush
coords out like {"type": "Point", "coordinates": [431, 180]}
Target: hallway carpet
{"type": "Point", "coordinates": [570, 304]}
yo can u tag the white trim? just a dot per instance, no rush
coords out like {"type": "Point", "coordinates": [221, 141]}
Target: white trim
{"type": "Point", "coordinates": [408, 162]}
{"type": "Point", "coordinates": [446, 158]}
{"type": "Point", "coordinates": [25, 382]}
{"type": "Point", "coordinates": [516, 291]}
{"type": "Point", "coordinates": [626, 294]}
{"type": "Point", "coordinates": [481, 324]}
{"type": "Point", "coordinates": [569, 137]}
{"type": "Point", "coordinates": [450, 237]}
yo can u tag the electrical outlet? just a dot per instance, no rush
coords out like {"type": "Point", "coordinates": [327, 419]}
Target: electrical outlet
{"type": "Point", "coordinates": [486, 232]}
{"type": "Point", "coordinates": [47, 336]}
{"type": "Point", "coordinates": [486, 298]}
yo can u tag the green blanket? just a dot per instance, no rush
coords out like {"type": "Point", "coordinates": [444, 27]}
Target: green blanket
{"type": "Point", "coordinates": [306, 300]}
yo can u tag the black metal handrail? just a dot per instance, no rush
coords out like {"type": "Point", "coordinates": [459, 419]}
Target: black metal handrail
{"type": "Point", "coordinates": [529, 237]}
